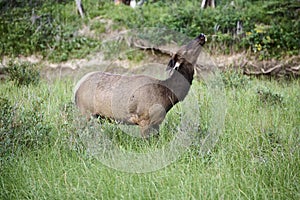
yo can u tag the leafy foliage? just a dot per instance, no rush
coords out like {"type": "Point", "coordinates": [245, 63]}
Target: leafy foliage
{"type": "Point", "coordinates": [267, 96]}
{"type": "Point", "coordinates": [21, 128]}
{"type": "Point", "coordinates": [46, 27]}
{"type": "Point", "coordinates": [6, 113]}
{"type": "Point", "coordinates": [235, 79]}
{"type": "Point", "coordinates": [268, 29]}
{"type": "Point", "coordinates": [23, 73]}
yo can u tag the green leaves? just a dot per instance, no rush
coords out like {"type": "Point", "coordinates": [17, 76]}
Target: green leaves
{"type": "Point", "coordinates": [49, 27]}
{"type": "Point", "coordinates": [23, 73]}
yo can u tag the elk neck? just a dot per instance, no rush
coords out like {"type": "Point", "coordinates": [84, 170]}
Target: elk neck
{"type": "Point", "coordinates": [180, 81]}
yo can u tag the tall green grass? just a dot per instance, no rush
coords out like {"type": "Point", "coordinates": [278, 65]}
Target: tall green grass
{"type": "Point", "coordinates": [256, 157]}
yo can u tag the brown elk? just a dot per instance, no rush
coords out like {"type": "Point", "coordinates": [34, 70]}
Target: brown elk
{"type": "Point", "coordinates": [138, 99]}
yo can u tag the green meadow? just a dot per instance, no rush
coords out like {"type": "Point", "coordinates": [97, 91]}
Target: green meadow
{"type": "Point", "coordinates": [240, 135]}
{"type": "Point", "coordinates": [256, 156]}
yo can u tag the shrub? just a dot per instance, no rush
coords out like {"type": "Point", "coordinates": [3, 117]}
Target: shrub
{"type": "Point", "coordinates": [26, 29]}
{"type": "Point", "coordinates": [6, 114]}
{"type": "Point", "coordinates": [44, 27]}
{"type": "Point", "coordinates": [23, 73]}
{"type": "Point", "coordinates": [51, 28]}
{"type": "Point", "coordinates": [21, 128]}
{"type": "Point", "coordinates": [267, 96]}
{"type": "Point", "coordinates": [235, 79]}
{"type": "Point", "coordinates": [71, 47]}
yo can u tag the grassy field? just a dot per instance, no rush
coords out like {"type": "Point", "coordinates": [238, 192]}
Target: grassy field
{"type": "Point", "coordinates": [256, 157]}
{"type": "Point", "coordinates": [48, 152]}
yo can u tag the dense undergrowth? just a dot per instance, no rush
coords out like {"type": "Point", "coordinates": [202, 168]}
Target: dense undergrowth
{"type": "Point", "coordinates": [269, 28]}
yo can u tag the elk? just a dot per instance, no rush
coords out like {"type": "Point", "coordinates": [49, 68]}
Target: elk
{"type": "Point", "coordinates": [138, 99]}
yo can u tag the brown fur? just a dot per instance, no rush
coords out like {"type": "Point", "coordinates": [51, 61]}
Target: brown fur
{"type": "Point", "coordinates": [139, 100]}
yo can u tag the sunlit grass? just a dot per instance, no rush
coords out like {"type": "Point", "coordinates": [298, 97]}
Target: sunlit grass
{"type": "Point", "coordinates": [256, 157]}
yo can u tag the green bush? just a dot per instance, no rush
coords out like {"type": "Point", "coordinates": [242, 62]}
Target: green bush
{"type": "Point", "coordinates": [49, 27]}
{"type": "Point", "coordinates": [235, 79]}
{"type": "Point", "coordinates": [21, 128]}
{"type": "Point", "coordinates": [23, 73]}
{"type": "Point", "coordinates": [268, 96]}
{"type": "Point", "coordinates": [98, 26]}
{"type": "Point", "coordinates": [71, 47]}
{"type": "Point", "coordinates": [6, 114]}
{"type": "Point", "coordinates": [26, 29]}
{"type": "Point", "coordinates": [44, 27]}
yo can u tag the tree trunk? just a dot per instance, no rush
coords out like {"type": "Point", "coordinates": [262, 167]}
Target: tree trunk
{"type": "Point", "coordinates": [206, 3]}
{"type": "Point", "coordinates": [80, 8]}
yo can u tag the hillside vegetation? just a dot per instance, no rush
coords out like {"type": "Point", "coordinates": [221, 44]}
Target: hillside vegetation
{"type": "Point", "coordinates": [269, 28]}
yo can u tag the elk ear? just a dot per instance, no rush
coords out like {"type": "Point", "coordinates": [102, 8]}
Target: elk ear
{"type": "Point", "coordinates": [173, 63]}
